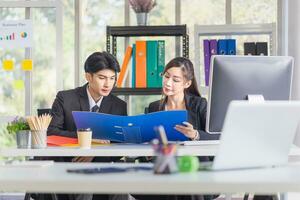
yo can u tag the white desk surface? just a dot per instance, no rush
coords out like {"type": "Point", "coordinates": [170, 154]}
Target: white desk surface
{"type": "Point", "coordinates": [109, 150]}
{"type": "Point", "coordinates": [55, 179]}
{"type": "Point", "coordinates": [118, 150]}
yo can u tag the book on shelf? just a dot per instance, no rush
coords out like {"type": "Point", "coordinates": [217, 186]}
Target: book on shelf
{"type": "Point", "coordinates": [161, 62]}
{"type": "Point", "coordinates": [140, 62]}
{"type": "Point", "coordinates": [231, 46]}
{"type": "Point", "coordinates": [147, 64]}
{"type": "Point", "coordinates": [133, 63]}
{"type": "Point", "coordinates": [152, 61]}
{"type": "Point", "coordinates": [261, 48]}
{"type": "Point", "coordinates": [222, 47]}
{"type": "Point", "coordinates": [207, 55]}
{"type": "Point", "coordinates": [256, 48]}
{"type": "Point", "coordinates": [249, 48]}
{"type": "Point", "coordinates": [124, 68]}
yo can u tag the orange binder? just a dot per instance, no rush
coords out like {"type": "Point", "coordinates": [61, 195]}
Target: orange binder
{"type": "Point", "coordinates": [141, 69]}
{"type": "Point", "coordinates": [55, 140]}
{"type": "Point", "coordinates": [61, 141]}
{"type": "Point", "coordinates": [124, 67]}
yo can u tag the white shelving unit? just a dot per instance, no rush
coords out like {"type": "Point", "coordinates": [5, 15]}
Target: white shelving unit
{"type": "Point", "coordinates": [229, 30]}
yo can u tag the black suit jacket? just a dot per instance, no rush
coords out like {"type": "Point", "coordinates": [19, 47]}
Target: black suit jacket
{"type": "Point", "coordinates": [76, 99]}
{"type": "Point", "coordinates": [196, 107]}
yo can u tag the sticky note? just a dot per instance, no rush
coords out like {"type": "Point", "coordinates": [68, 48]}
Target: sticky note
{"type": "Point", "coordinates": [8, 65]}
{"type": "Point", "coordinates": [18, 84]}
{"type": "Point", "coordinates": [26, 65]}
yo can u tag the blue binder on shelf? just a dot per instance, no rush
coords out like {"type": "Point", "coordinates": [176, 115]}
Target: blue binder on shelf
{"type": "Point", "coordinates": [231, 46]}
{"type": "Point", "coordinates": [131, 129]}
{"type": "Point", "coordinates": [222, 47]}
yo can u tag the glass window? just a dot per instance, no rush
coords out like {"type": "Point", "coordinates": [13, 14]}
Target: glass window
{"type": "Point", "coordinates": [253, 11]}
{"type": "Point", "coordinates": [201, 12]}
{"type": "Point", "coordinates": [68, 44]}
{"type": "Point", "coordinates": [12, 91]}
{"type": "Point", "coordinates": [96, 16]}
{"type": "Point", "coordinates": [44, 55]}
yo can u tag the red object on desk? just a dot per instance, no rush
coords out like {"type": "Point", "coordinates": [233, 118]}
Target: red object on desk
{"type": "Point", "coordinates": [55, 140]}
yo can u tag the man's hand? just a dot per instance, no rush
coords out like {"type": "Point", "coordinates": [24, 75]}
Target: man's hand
{"type": "Point", "coordinates": [83, 159]}
{"type": "Point", "coordinates": [98, 141]}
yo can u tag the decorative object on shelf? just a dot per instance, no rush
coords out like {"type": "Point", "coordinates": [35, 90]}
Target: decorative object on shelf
{"type": "Point", "coordinates": [142, 8]}
{"type": "Point", "coordinates": [38, 126]}
{"type": "Point", "coordinates": [20, 127]}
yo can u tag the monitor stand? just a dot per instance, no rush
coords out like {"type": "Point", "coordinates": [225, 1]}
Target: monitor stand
{"type": "Point", "coordinates": [255, 98]}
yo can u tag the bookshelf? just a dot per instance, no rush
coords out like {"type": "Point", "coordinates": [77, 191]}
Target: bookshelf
{"type": "Point", "coordinates": [136, 91]}
{"type": "Point", "coordinates": [229, 30]}
{"type": "Point", "coordinates": [113, 32]}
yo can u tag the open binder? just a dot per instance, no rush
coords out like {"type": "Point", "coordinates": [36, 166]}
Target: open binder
{"type": "Point", "coordinates": [131, 129]}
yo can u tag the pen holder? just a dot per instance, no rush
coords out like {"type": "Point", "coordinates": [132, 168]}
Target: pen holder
{"type": "Point", "coordinates": [165, 162]}
{"type": "Point", "coordinates": [39, 139]}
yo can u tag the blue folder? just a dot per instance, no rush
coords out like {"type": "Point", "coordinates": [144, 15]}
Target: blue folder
{"type": "Point", "coordinates": [131, 129]}
{"type": "Point", "coordinates": [222, 47]}
{"type": "Point", "coordinates": [231, 46]}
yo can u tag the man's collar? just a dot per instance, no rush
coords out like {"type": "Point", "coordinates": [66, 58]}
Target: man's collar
{"type": "Point", "coordinates": [92, 102]}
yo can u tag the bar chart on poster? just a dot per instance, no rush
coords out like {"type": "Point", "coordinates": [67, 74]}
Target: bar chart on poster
{"type": "Point", "coordinates": [15, 34]}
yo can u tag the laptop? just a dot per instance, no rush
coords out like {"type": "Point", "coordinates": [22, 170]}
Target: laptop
{"type": "Point", "coordinates": [257, 134]}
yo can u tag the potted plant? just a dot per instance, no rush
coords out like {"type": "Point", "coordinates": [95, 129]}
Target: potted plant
{"type": "Point", "coordinates": [20, 127]}
{"type": "Point", "coordinates": [142, 8]}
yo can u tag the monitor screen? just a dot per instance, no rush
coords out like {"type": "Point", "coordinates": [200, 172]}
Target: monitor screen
{"type": "Point", "coordinates": [236, 77]}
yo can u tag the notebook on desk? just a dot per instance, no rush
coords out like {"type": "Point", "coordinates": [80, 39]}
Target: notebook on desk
{"type": "Point", "coordinates": [256, 135]}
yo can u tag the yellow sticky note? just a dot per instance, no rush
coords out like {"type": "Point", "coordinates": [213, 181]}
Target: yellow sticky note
{"type": "Point", "coordinates": [27, 65]}
{"type": "Point", "coordinates": [18, 84]}
{"type": "Point", "coordinates": [8, 65]}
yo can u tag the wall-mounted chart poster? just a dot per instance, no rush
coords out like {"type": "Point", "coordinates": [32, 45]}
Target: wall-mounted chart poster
{"type": "Point", "coordinates": [16, 34]}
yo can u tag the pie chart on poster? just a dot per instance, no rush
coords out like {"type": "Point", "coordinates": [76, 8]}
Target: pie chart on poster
{"type": "Point", "coordinates": [23, 34]}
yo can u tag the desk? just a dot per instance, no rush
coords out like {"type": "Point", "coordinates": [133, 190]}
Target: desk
{"type": "Point", "coordinates": [108, 150]}
{"type": "Point", "coordinates": [119, 150]}
{"type": "Point", "coordinates": [55, 179]}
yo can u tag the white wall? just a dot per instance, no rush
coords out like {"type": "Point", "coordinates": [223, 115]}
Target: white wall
{"type": "Point", "coordinates": [294, 43]}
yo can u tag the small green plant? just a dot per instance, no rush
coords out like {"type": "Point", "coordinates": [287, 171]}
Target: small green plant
{"type": "Point", "coordinates": [18, 124]}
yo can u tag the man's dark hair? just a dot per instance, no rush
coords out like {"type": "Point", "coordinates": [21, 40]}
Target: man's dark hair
{"type": "Point", "coordinates": [99, 61]}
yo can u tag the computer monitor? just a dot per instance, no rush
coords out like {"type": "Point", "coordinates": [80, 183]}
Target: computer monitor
{"type": "Point", "coordinates": [236, 77]}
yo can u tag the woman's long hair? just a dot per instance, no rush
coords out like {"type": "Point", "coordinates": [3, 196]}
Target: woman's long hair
{"type": "Point", "coordinates": [187, 68]}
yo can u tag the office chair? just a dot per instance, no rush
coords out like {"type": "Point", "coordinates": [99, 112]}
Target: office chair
{"type": "Point", "coordinates": [41, 111]}
{"type": "Point", "coordinates": [146, 110]}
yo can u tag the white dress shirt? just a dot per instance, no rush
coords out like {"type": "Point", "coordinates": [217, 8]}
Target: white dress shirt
{"type": "Point", "coordinates": [92, 102]}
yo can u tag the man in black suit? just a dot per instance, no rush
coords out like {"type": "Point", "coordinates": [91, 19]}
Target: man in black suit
{"type": "Point", "coordinates": [101, 73]}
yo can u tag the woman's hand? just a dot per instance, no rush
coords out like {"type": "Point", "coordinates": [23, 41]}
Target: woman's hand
{"type": "Point", "coordinates": [187, 130]}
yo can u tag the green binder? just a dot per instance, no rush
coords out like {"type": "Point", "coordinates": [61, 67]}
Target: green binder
{"type": "Point", "coordinates": [161, 61]}
{"type": "Point", "coordinates": [152, 68]}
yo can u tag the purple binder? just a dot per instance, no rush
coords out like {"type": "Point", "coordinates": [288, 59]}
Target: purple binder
{"type": "Point", "coordinates": [206, 60]}
{"type": "Point", "coordinates": [213, 49]}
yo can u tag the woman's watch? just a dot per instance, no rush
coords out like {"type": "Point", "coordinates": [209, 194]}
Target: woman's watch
{"type": "Point", "coordinates": [197, 136]}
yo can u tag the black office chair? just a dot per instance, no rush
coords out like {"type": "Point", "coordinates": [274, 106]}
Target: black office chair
{"type": "Point", "coordinates": [146, 111]}
{"type": "Point", "coordinates": [41, 111]}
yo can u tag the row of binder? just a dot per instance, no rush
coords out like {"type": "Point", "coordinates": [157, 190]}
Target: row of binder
{"type": "Point", "coordinates": [147, 61]}
{"type": "Point", "coordinates": [228, 47]}
{"type": "Point", "coordinates": [256, 48]}
{"type": "Point", "coordinates": [216, 47]}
